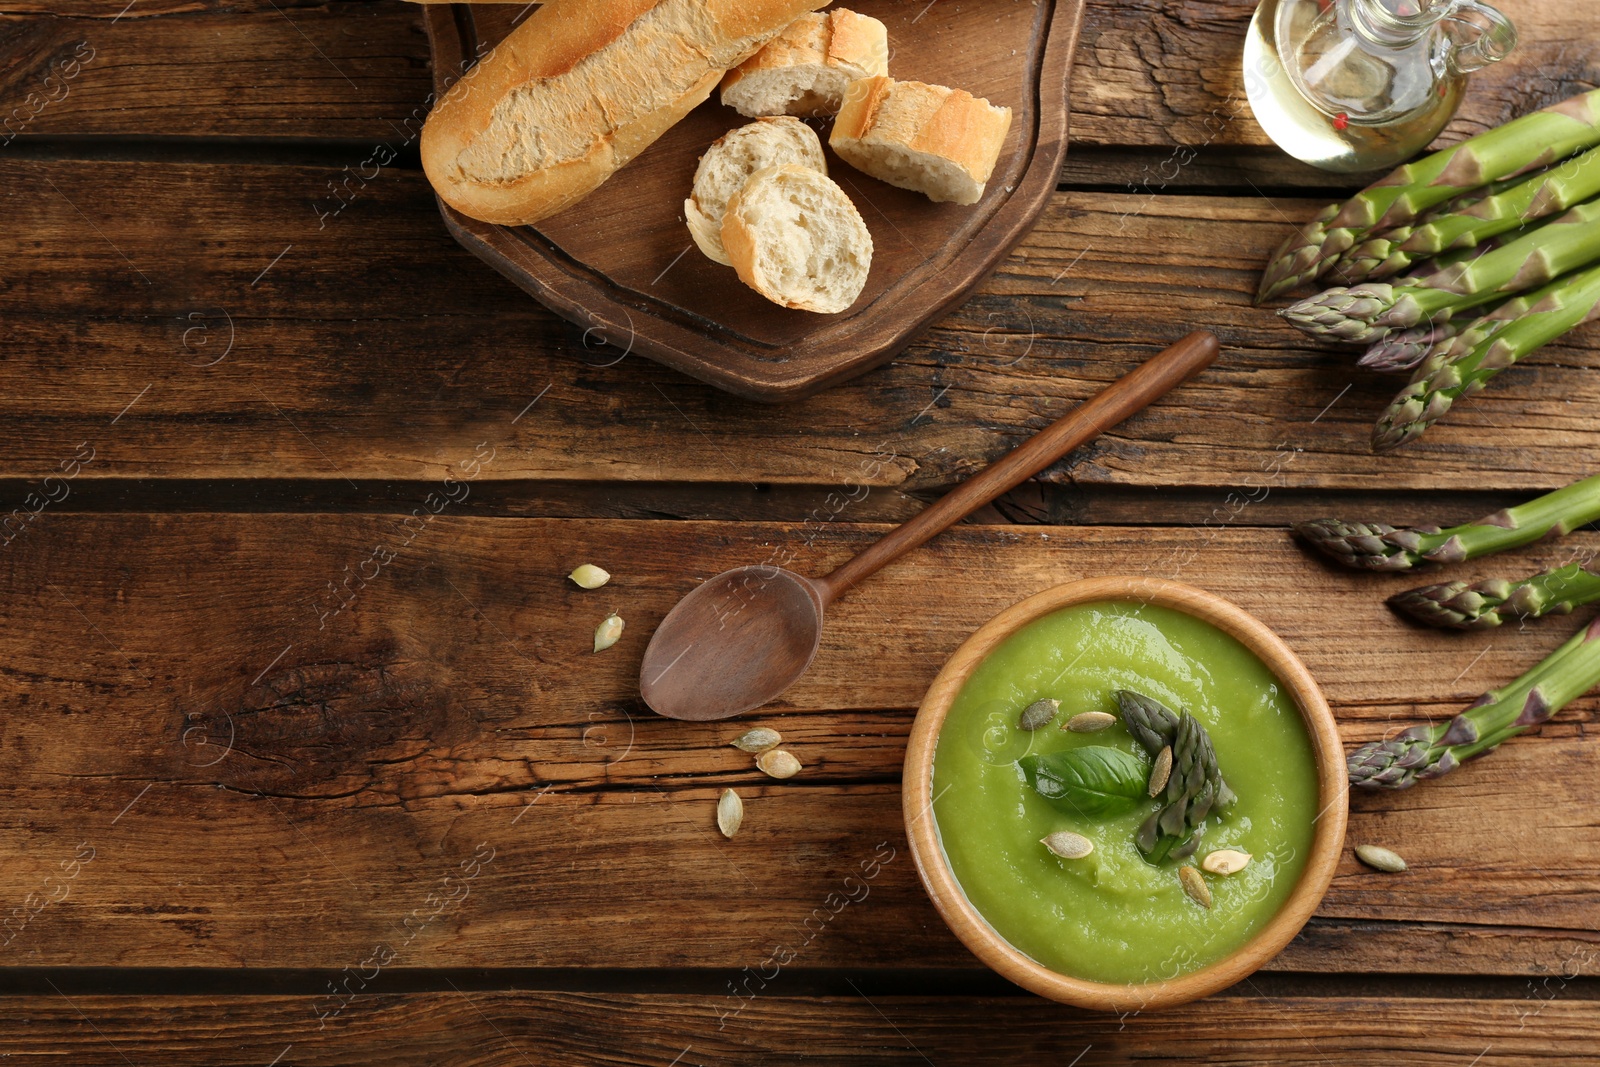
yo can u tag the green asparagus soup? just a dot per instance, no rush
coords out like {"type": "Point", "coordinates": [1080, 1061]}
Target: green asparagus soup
{"type": "Point", "coordinates": [1111, 916]}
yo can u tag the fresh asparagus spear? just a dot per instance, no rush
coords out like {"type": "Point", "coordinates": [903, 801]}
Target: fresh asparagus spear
{"type": "Point", "coordinates": [1557, 189]}
{"type": "Point", "coordinates": [1466, 363]}
{"type": "Point", "coordinates": [1365, 313]}
{"type": "Point", "coordinates": [1522, 145]}
{"type": "Point", "coordinates": [1429, 751]}
{"type": "Point", "coordinates": [1485, 605]}
{"type": "Point", "coordinates": [1376, 546]}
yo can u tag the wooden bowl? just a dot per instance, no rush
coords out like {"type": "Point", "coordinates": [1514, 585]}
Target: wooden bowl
{"type": "Point", "coordinates": [975, 932]}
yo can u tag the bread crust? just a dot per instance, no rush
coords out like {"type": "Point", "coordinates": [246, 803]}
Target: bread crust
{"type": "Point", "coordinates": [550, 43]}
{"type": "Point", "coordinates": [949, 123]}
{"type": "Point", "coordinates": [859, 40]}
{"type": "Point", "coordinates": [841, 38]}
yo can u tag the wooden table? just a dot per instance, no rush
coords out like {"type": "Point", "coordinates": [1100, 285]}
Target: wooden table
{"type": "Point", "coordinates": [307, 759]}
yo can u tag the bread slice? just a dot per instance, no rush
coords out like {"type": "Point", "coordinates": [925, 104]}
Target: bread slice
{"type": "Point", "coordinates": [795, 238]}
{"type": "Point", "coordinates": [805, 70]}
{"type": "Point", "coordinates": [578, 90]}
{"type": "Point", "coordinates": [728, 164]}
{"type": "Point", "coordinates": [937, 141]}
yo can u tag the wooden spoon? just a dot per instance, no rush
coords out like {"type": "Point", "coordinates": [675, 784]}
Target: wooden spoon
{"type": "Point", "coordinates": [746, 635]}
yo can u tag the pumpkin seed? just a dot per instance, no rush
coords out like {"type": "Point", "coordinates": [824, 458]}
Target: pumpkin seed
{"type": "Point", "coordinates": [1090, 722]}
{"type": "Point", "coordinates": [1038, 714]}
{"type": "Point", "coordinates": [1226, 861]}
{"type": "Point", "coordinates": [757, 741]}
{"type": "Point", "coordinates": [1380, 859]}
{"type": "Point", "coordinates": [590, 577]}
{"type": "Point", "coordinates": [779, 763]}
{"type": "Point", "coordinates": [1067, 845]}
{"type": "Point", "coordinates": [730, 813]}
{"type": "Point", "coordinates": [608, 632]}
{"type": "Point", "coordinates": [1194, 883]}
{"type": "Point", "coordinates": [1161, 771]}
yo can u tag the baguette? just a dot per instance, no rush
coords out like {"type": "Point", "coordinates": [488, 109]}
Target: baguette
{"type": "Point", "coordinates": [577, 91]}
{"type": "Point", "coordinates": [805, 70]}
{"type": "Point", "coordinates": [937, 141]}
{"type": "Point", "coordinates": [729, 163]}
{"type": "Point", "coordinates": [795, 238]}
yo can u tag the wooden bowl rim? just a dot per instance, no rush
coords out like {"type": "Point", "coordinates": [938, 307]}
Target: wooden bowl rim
{"type": "Point", "coordinates": [975, 932]}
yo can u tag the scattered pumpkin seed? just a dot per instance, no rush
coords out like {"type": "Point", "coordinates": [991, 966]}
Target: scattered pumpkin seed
{"type": "Point", "coordinates": [1038, 714]}
{"type": "Point", "coordinates": [608, 632]}
{"type": "Point", "coordinates": [757, 741]}
{"type": "Point", "coordinates": [1161, 771]}
{"type": "Point", "coordinates": [1090, 722]}
{"type": "Point", "coordinates": [1194, 884]}
{"type": "Point", "coordinates": [779, 763]}
{"type": "Point", "coordinates": [730, 813]}
{"type": "Point", "coordinates": [1067, 845]}
{"type": "Point", "coordinates": [590, 577]}
{"type": "Point", "coordinates": [1380, 859]}
{"type": "Point", "coordinates": [1226, 861]}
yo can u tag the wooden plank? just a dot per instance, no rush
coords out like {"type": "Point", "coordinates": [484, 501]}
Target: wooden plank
{"type": "Point", "coordinates": [1150, 72]}
{"type": "Point", "coordinates": [1169, 71]}
{"type": "Point", "coordinates": [238, 765]}
{"type": "Point", "coordinates": [365, 345]}
{"type": "Point", "coordinates": [518, 1028]}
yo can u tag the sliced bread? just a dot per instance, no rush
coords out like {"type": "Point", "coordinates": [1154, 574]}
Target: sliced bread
{"type": "Point", "coordinates": [728, 164]}
{"type": "Point", "coordinates": [805, 70]}
{"type": "Point", "coordinates": [937, 141]}
{"type": "Point", "coordinates": [795, 238]}
{"type": "Point", "coordinates": [576, 91]}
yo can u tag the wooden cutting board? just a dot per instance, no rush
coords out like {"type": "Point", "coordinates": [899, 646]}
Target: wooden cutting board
{"type": "Point", "coordinates": [621, 263]}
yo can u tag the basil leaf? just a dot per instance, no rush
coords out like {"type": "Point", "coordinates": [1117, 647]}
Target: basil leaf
{"type": "Point", "coordinates": [1088, 781]}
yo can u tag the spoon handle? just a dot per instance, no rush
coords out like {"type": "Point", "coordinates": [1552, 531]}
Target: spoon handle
{"type": "Point", "coordinates": [1125, 396]}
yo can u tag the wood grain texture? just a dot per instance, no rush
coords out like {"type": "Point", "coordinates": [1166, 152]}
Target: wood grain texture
{"type": "Point", "coordinates": [554, 1029]}
{"type": "Point", "coordinates": [1169, 71]}
{"type": "Point", "coordinates": [365, 345]}
{"type": "Point", "coordinates": [270, 773]}
{"type": "Point", "coordinates": [1151, 72]}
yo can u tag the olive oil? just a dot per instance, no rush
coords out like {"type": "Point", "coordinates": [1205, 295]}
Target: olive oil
{"type": "Point", "coordinates": [1356, 85]}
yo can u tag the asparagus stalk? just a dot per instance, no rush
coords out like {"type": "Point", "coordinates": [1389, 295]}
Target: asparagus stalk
{"type": "Point", "coordinates": [1466, 363]}
{"type": "Point", "coordinates": [1522, 145]}
{"type": "Point", "coordinates": [1485, 605]}
{"type": "Point", "coordinates": [1310, 266]}
{"type": "Point", "coordinates": [1194, 789]}
{"type": "Point", "coordinates": [1376, 546]}
{"type": "Point", "coordinates": [1365, 313]}
{"type": "Point", "coordinates": [1429, 751]}
{"type": "Point", "coordinates": [1544, 194]}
